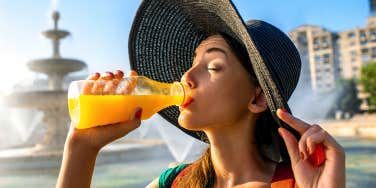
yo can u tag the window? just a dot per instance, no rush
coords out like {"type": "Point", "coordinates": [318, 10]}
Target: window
{"type": "Point", "coordinates": [353, 53]}
{"type": "Point", "coordinates": [365, 58]}
{"type": "Point", "coordinates": [351, 35]}
{"type": "Point", "coordinates": [302, 39]}
{"type": "Point", "coordinates": [363, 38]}
{"type": "Point", "coordinates": [316, 43]}
{"type": "Point", "coordinates": [325, 42]}
{"type": "Point", "coordinates": [317, 59]}
{"type": "Point", "coordinates": [365, 51]}
{"type": "Point", "coordinates": [363, 35]}
{"type": "Point", "coordinates": [316, 40]}
{"type": "Point", "coordinates": [326, 58]}
{"type": "Point", "coordinates": [373, 35]}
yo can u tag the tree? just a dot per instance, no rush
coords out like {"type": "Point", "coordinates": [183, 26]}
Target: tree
{"type": "Point", "coordinates": [368, 81]}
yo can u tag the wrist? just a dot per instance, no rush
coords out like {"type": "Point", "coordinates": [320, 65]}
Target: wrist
{"type": "Point", "coordinates": [75, 143]}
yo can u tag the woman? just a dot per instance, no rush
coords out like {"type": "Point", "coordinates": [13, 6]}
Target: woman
{"type": "Point", "coordinates": [239, 75]}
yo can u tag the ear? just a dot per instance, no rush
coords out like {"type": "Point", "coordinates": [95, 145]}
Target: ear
{"type": "Point", "coordinates": [258, 103]}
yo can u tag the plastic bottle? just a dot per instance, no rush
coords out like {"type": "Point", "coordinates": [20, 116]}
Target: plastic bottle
{"type": "Point", "coordinates": [102, 102]}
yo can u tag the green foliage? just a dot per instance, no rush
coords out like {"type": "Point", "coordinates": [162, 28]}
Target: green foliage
{"type": "Point", "coordinates": [368, 81]}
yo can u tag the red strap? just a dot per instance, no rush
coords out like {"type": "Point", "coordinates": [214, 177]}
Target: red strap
{"type": "Point", "coordinates": [283, 177]}
{"type": "Point", "coordinates": [180, 175]}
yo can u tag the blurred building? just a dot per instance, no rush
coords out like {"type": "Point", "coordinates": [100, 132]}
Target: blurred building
{"type": "Point", "coordinates": [328, 56]}
{"type": "Point", "coordinates": [318, 49]}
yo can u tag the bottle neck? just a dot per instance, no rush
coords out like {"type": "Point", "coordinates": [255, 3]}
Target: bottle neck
{"type": "Point", "coordinates": [180, 89]}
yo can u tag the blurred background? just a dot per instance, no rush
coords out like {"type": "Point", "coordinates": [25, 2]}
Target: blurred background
{"type": "Point", "coordinates": [46, 44]}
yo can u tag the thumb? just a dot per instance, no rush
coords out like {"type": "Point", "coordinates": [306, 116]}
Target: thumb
{"type": "Point", "coordinates": [291, 145]}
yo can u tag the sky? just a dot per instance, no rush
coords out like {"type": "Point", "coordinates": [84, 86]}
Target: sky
{"type": "Point", "coordinates": [100, 28]}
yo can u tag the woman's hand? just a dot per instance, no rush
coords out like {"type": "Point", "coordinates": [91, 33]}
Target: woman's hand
{"type": "Point", "coordinates": [331, 173]}
{"type": "Point", "coordinates": [97, 137]}
{"type": "Point", "coordinates": [82, 146]}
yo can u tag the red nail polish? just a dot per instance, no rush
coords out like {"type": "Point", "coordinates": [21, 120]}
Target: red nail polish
{"type": "Point", "coordinates": [283, 110]}
{"type": "Point", "coordinates": [108, 73]}
{"type": "Point", "coordinates": [138, 113]}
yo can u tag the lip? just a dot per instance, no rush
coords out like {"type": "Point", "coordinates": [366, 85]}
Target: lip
{"type": "Point", "coordinates": [187, 102]}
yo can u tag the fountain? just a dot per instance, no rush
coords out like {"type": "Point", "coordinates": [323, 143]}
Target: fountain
{"type": "Point", "coordinates": [163, 142]}
{"type": "Point", "coordinates": [52, 102]}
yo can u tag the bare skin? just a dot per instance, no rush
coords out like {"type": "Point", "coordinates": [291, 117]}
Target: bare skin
{"type": "Point", "coordinates": [82, 146]}
{"type": "Point", "coordinates": [221, 89]}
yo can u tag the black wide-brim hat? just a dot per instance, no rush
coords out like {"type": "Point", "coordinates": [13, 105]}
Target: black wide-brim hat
{"type": "Point", "coordinates": [165, 34]}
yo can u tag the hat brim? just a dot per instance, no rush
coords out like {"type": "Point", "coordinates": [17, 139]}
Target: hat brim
{"type": "Point", "coordinates": [165, 34]}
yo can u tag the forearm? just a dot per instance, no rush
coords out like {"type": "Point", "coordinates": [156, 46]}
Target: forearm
{"type": "Point", "coordinates": [77, 166]}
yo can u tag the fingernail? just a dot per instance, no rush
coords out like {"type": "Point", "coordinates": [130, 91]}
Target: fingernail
{"type": "Point", "coordinates": [283, 110]}
{"type": "Point", "coordinates": [280, 131]}
{"type": "Point", "coordinates": [138, 113]}
{"type": "Point", "coordinates": [119, 72]}
{"type": "Point", "coordinates": [110, 74]}
{"type": "Point", "coordinates": [94, 76]}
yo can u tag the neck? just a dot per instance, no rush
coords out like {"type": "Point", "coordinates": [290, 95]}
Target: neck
{"type": "Point", "coordinates": [235, 157]}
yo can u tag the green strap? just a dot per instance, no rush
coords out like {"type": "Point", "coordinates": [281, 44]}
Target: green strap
{"type": "Point", "coordinates": [167, 177]}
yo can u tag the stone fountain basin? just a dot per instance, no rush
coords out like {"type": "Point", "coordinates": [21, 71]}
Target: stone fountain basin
{"type": "Point", "coordinates": [60, 66]}
{"type": "Point", "coordinates": [37, 99]}
{"type": "Point", "coordinates": [55, 33]}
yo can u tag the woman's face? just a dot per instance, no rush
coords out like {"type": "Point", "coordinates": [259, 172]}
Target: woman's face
{"type": "Point", "coordinates": [221, 88]}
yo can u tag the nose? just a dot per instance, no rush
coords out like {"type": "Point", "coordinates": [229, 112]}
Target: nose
{"type": "Point", "coordinates": [188, 79]}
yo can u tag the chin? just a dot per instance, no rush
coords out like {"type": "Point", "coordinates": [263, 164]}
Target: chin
{"type": "Point", "coordinates": [188, 122]}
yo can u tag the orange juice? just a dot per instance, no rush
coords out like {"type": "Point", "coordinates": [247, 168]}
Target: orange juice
{"type": "Point", "coordinates": [94, 110]}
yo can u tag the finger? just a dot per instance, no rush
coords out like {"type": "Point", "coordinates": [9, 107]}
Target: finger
{"type": "Point", "coordinates": [98, 87]}
{"type": "Point", "coordinates": [291, 145]}
{"type": "Point", "coordinates": [129, 84]}
{"type": "Point", "coordinates": [133, 73]}
{"type": "Point", "coordinates": [303, 140]}
{"type": "Point", "coordinates": [94, 76]}
{"type": "Point", "coordinates": [111, 86]}
{"type": "Point", "coordinates": [100, 84]}
{"type": "Point", "coordinates": [119, 74]}
{"type": "Point", "coordinates": [316, 138]}
{"type": "Point", "coordinates": [88, 85]}
{"type": "Point", "coordinates": [107, 76]}
{"type": "Point", "coordinates": [294, 122]}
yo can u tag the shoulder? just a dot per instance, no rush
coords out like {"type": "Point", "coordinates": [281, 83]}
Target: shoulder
{"type": "Point", "coordinates": [167, 177]}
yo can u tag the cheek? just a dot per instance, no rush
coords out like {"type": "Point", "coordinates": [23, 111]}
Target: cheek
{"type": "Point", "coordinates": [229, 105]}
{"type": "Point", "coordinates": [216, 106]}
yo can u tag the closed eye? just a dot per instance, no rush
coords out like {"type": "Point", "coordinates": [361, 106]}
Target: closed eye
{"type": "Point", "coordinates": [213, 68]}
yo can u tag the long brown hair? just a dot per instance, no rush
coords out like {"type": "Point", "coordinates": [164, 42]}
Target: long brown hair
{"type": "Point", "coordinates": [201, 173]}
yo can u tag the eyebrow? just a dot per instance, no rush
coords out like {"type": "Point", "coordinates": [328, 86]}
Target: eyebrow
{"type": "Point", "coordinates": [216, 49]}
{"type": "Point", "coordinates": [213, 50]}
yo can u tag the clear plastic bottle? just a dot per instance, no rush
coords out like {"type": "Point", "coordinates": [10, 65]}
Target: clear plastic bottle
{"type": "Point", "coordinates": [102, 102]}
